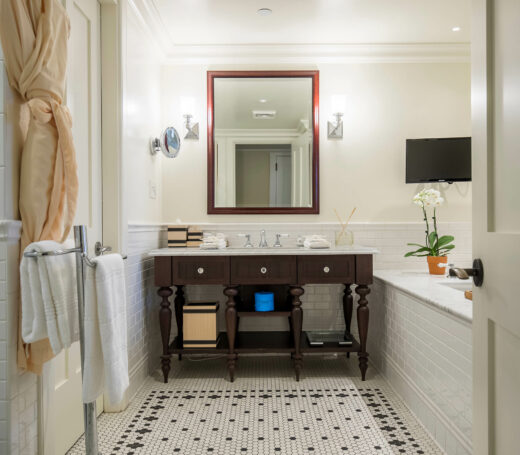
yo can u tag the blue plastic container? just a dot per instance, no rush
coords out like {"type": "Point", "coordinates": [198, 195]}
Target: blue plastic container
{"type": "Point", "coordinates": [264, 301]}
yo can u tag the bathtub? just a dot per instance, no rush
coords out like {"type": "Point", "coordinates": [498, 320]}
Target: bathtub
{"type": "Point", "coordinates": [421, 341]}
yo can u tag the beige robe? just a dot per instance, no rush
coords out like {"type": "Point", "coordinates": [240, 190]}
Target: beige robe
{"type": "Point", "coordinates": [34, 37]}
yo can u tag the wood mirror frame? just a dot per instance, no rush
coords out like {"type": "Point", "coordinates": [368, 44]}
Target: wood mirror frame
{"type": "Point", "coordinates": [315, 207]}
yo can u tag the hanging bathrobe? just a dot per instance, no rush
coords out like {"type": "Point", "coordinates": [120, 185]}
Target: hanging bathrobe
{"type": "Point", "coordinates": [34, 36]}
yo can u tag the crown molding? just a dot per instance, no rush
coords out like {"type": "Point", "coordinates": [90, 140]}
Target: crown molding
{"type": "Point", "coordinates": [284, 54]}
{"type": "Point", "coordinates": [318, 53]}
{"type": "Point", "coordinates": [151, 23]}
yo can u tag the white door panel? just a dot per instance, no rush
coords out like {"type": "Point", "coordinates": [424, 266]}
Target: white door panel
{"type": "Point", "coordinates": [496, 225]}
{"type": "Point", "coordinates": [64, 413]}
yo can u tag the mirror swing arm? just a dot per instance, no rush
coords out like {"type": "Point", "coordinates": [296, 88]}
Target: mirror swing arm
{"type": "Point", "coordinates": [212, 158]}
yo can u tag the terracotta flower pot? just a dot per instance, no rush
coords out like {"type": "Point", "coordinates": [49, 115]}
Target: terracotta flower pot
{"type": "Point", "coordinates": [433, 264]}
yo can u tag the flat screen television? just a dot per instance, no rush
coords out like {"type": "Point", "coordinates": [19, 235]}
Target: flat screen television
{"type": "Point", "coordinates": [438, 160]}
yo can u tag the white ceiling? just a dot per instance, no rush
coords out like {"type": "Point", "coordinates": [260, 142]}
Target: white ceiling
{"type": "Point", "coordinates": [205, 22]}
{"type": "Point", "coordinates": [236, 98]}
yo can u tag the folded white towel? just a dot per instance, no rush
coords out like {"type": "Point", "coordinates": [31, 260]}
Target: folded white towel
{"type": "Point", "coordinates": [213, 241]}
{"type": "Point", "coordinates": [316, 241]}
{"type": "Point", "coordinates": [106, 356]}
{"type": "Point", "coordinates": [49, 296]}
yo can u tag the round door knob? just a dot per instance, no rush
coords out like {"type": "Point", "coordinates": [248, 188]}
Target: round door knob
{"type": "Point", "coordinates": [200, 270]}
{"type": "Point", "coordinates": [263, 270]}
{"type": "Point", "coordinates": [326, 269]}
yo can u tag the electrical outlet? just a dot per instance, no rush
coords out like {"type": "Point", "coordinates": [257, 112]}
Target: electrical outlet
{"type": "Point", "coordinates": [152, 189]}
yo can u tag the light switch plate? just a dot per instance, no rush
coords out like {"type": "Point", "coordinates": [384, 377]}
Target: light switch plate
{"type": "Point", "coordinates": [152, 190]}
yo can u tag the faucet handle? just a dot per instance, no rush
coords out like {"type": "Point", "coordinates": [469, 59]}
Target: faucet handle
{"type": "Point", "coordinates": [278, 244]}
{"type": "Point", "coordinates": [248, 243]}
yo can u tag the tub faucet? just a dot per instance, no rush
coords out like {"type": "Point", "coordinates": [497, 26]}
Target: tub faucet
{"type": "Point", "coordinates": [263, 241]}
{"type": "Point", "coordinates": [460, 273]}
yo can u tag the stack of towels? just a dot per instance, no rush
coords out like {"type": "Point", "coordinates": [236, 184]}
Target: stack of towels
{"type": "Point", "coordinates": [316, 241]}
{"type": "Point", "coordinates": [213, 241]}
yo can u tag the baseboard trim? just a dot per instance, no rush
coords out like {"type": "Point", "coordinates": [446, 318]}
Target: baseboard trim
{"type": "Point", "coordinates": [428, 403]}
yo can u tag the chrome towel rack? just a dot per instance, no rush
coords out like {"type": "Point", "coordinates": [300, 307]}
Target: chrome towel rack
{"type": "Point", "coordinates": [81, 251]}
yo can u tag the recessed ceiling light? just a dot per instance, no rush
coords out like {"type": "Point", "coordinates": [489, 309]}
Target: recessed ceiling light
{"type": "Point", "coordinates": [263, 100]}
{"type": "Point", "coordinates": [455, 29]}
{"type": "Point", "coordinates": [264, 11]}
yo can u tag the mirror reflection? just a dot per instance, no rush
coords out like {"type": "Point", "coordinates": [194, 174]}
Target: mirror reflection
{"type": "Point", "coordinates": [263, 142]}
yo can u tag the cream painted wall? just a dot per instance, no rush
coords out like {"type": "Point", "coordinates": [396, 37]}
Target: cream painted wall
{"type": "Point", "coordinates": [141, 118]}
{"type": "Point", "coordinates": [386, 104]}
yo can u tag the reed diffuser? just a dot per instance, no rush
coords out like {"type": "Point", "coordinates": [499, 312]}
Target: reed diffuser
{"type": "Point", "coordinates": [344, 237]}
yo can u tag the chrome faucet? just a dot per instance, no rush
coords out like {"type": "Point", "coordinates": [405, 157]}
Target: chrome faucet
{"type": "Point", "coordinates": [263, 240]}
{"type": "Point", "coordinates": [278, 244]}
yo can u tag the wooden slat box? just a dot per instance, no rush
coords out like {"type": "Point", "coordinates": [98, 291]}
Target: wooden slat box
{"type": "Point", "coordinates": [199, 325]}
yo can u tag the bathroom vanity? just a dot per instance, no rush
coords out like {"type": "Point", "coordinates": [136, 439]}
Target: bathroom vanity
{"type": "Point", "coordinates": [241, 271]}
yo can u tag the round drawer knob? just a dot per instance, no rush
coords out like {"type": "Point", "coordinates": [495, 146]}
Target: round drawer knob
{"type": "Point", "coordinates": [200, 270]}
{"type": "Point", "coordinates": [263, 270]}
{"type": "Point", "coordinates": [326, 269]}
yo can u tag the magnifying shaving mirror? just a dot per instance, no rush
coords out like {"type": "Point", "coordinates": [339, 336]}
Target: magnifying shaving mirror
{"type": "Point", "coordinates": [169, 143]}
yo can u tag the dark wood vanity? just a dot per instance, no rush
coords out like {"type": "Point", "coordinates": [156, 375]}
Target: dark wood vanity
{"type": "Point", "coordinates": [283, 271]}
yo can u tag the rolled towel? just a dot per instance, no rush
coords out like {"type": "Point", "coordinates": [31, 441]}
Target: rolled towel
{"type": "Point", "coordinates": [316, 241]}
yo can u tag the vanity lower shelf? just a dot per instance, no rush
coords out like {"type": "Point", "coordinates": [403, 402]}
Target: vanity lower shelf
{"type": "Point", "coordinates": [262, 342]}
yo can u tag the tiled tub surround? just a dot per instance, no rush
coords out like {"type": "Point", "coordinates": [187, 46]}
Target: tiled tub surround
{"type": "Point", "coordinates": [424, 350]}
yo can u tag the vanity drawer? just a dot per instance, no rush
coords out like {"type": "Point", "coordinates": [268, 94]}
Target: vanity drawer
{"type": "Point", "coordinates": [326, 269]}
{"type": "Point", "coordinates": [200, 270]}
{"type": "Point", "coordinates": [263, 269]}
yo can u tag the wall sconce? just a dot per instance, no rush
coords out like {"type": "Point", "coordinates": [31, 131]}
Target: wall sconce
{"type": "Point", "coordinates": [193, 129]}
{"type": "Point", "coordinates": [337, 105]}
{"type": "Point", "coordinates": [335, 129]}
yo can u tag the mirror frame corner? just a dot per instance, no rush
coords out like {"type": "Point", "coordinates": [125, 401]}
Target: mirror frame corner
{"type": "Point", "coordinates": [315, 208]}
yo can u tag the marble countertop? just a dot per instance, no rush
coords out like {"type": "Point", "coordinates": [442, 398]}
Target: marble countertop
{"type": "Point", "coordinates": [233, 251]}
{"type": "Point", "coordinates": [433, 289]}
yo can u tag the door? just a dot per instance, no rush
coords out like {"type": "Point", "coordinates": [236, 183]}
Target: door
{"type": "Point", "coordinates": [280, 179]}
{"type": "Point", "coordinates": [63, 415]}
{"type": "Point", "coordinates": [496, 225]}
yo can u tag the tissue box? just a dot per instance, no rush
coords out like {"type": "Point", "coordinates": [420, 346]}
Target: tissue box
{"type": "Point", "coordinates": [199, 325]}
{"type": "Point", "coordinates": [177, 236]}
{"type": "Point", "coordinates": [264, 301]}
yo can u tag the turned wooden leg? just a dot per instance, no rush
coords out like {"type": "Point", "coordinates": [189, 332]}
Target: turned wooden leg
{"type": "Point", "coordinates": [297, 320]}
{"type": "Point", "coordinates": [347, 309]}
{"type": "Point", "coordinates": [362, 321]}
{"type": "Point", "coordinates": [179, 302]}
{"type": "Point", "coordinates": [231, 327]}
{"type": "Point", "coordinates": [165, 322]}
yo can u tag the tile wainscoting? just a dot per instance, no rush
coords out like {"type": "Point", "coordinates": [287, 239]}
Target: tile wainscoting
{"type": "Point", "coordinates": [425, 353]}
{"type": "Point", "coordinates": [18, 390]}
{"type": "Point", "coordinates": [144, 342]}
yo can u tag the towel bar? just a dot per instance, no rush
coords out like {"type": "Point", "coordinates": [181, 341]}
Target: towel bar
{"type": "Point", "coordinates": [81, 251]}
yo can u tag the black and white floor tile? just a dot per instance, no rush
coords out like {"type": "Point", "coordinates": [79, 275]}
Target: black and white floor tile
{"type": "Point", "coordinates": [265, 411]}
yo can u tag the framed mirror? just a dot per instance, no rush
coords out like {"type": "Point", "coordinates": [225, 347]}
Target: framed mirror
{"type": "Point", "coordinates": [263, 142]}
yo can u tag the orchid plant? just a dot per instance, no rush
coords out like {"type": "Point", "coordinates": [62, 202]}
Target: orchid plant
{"type": "Point", "coordinates": [435, 245]}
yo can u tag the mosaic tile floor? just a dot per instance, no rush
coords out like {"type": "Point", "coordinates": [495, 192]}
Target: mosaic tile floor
{"type": "Point", "coordinates": [265, 411]}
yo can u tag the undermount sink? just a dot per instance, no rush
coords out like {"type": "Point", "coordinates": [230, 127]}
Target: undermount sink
{"type": "Point", "coordinates": [459, 285]}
